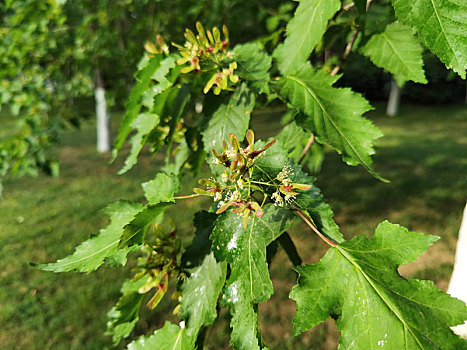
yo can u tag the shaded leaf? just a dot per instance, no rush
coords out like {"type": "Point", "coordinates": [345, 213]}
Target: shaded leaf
{"type": "Point", "coordinates": [169, 337]}
{"type": "Point", "coordinates": [357, 282]}
{"type": "Point", "coordinates": [253, 65]}
{"type": "Point", "coordinates": [124, 315]}
{"type": "Point", "coordinates": [133, 106]}
{"type": "Point", "coordinates": [442, 25]}
{"type": "Point", "coordinates": [201, 245]}
{"type": "Point", "coordinates": [143, 124]}
{"type": "Point", "coordinates": [304, 31]}
{"type": "Point", "coordinates": [397, 51]}
{"type": "Point", "coordinates": [294, 139]}
{"type": "Point", "coordinates": [334, 115]}
{"type": "Point", "coordinates": [232, 116]}
{"type": "Point", "coordinates": [92, 253]}
{"type": "Point", "coordinates": [161, 189]}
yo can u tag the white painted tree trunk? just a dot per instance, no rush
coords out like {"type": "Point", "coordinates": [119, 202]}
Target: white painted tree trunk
{"type": "Point", "coordinates": [104, 140]}
{"type": "Point", "coordinates": [394, 99]}
{"type": "Point", "coordinates": [458, 284]}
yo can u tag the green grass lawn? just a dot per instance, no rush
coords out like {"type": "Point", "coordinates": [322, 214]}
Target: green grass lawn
{"type": "Point", "coordinates": [423, 153]}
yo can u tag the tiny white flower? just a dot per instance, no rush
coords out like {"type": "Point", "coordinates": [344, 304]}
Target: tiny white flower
{"type": "Point", "coordinates": [277, 198]}
{"type": "Point", "coordinates": [224, 176]}
{"type": "Point", "coordinates": [236, 195]}
{"type": "Point", "coordinates": [217, 196]}
{"type": "Point", "coordinates": [289, 198]}
{"type": "Point", "coordinates": [240, 183]}
{"type": "Point", "coordinates": [230, 153]}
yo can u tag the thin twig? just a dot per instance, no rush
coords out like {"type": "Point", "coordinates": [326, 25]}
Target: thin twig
{"type": "Point", "coordinates": [347, 51]}
{"type": "Point", "coordinates": [348, 6]}
{"type": "Point", "coordinates": [349, 46]}
{"type": "Point", "coordinates": [188, 196]}
{"type": "Point", "coordinates": [323, 237]}
{"type": "Point", "coordinates": [307, 147]}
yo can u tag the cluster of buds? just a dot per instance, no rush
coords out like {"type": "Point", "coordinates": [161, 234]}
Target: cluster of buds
{"type": "Point", "coordinates": [239, 160]}
{"type": "Point", "coordinates": [233, 190]}
{"type": "Point", "coordinates": [207, 51]}
{"type": "Point", "coordinates": [159, 264]}
{"type": "Point", "coordinates": [221, 79]}
{"type": "Point", "coordinates": [158, 47]}
{"type": "Point", "coordinates": [286, 187]}
{"type": "Point", "coordinates": [236, 184]}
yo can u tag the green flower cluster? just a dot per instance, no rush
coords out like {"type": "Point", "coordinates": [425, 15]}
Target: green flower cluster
{"type": "Point", "coordinates": [207, 52]}
{"type": "Point", "coordinates": [236, 186]}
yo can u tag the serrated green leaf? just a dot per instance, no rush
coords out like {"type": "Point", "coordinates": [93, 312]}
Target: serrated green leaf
{"type": "Point", "coordinates": [253, 65]}
{"type": "Point", "coordinates": [161, 189]}
{"type": "Point", "coordinates": [294, 139]}
{"type": "Point", "coordinates": [169, 337]}
{"type": "Point", "coordinates": [397, 51]}
{"type": "Point", "coordinates": [92, 253]}
{"type": "Point", "coordinates": [334, 115]}
{"type": "Point", "coordinates": [245, 250]}
{"type": "Point", "coordinates": [311, 201]}
{"type": "Point", "coordinates": [125, 314]}
{"type": "Point", "coordinates": [144, 124]}
{"type": "Point", "coordinates": [357, 282]}
{"type": "Point", "coordinates": [135, 231]}
{"type": "Point", "coordinates": [133, 106]}
{"type": "Point", "coordinates": [200, 293]}
{"type": "Point", "coordinates": [232, 116]}
{"type": "Point", "coordinates": [201, 290]}
{"type": "Point", "coordinates": [442, 25]}
{"type": "Point", "coordinates": [304, 31]}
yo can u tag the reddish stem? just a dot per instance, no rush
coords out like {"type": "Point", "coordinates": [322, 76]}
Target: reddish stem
{"type": "Point", "coordinates": [323, 237]}
{"type": "Point", "coordinates": [188, 196]}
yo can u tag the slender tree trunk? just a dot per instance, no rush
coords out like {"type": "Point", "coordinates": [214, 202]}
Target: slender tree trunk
{"type": "Point", "coordinates": [394, 99]}
{"type": "Point", "coordinates": [104, 139]}
{"type": "Point", "coordinates": [458, 284]}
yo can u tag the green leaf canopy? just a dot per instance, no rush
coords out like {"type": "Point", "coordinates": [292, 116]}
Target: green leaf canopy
{"type": "Point", "coordinates": [358, 284]}
{"type": "Point", "coordinates": [442, 25]}
{"type": "Point", "coordinates": [397, 51]}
